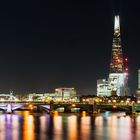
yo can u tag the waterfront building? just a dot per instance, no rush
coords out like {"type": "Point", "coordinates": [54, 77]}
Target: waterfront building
{"type": "Point", "coordinates": [60, 94]}
{"type": "Point", "coordinates": [118, 76]}
{"type": "Point", "coordinates": [139, 79]}
{"type": "Point", "coordinates": [117, 83]}
{"type": "Point", "coordinates": [41, 96]}
{"type": "Point", "coordinates": [89, 99]}
{"type": "Point", "coordinates": [65, 94]}
{"type": "Point", "coordinates": [34, 96]}
{"type": "Point", "coordinates": [138, 90]}
{"type": "Point", "coordinates": [103, 88]}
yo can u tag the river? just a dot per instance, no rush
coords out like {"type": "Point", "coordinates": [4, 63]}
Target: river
{"type": "Point", "coordinates": [36, 126]}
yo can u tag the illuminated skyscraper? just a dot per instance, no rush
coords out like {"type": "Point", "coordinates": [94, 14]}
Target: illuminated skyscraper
{"type": "Point", "coordinates": [116, 65]}
{"type": "Point", "coordinates": [117, 83]}
{"type": "Point", "coordinates": [118, 76]}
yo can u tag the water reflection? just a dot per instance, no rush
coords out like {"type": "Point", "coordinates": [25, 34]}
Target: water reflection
{"type": "Point", "coordinates": [2, 127]}
{"type": "Point", "coordinates": [43, 127]}
{"type": "Point", "coordinates": [137, 127]}
{"type": "Point", "coordinates": [106, 126]}
{"type": "Point", "coordinates": [85, 127]}
{"type": "Point", "coordinates": [57, 131]}
{"type": "Point", "coordinates": [28, 126]}
{"type": "Point", "coordinates": [15, 127]}
{"type": "Point", "coordinates": [9, 127]}
{"type": "Point", "coordinates": [72, 127]}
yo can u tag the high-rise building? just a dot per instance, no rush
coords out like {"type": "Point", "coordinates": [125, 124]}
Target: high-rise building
{"type": "Point", "coordinates": [116, 65]}
{"type": "Point", "coordinates": [118, 77]}
{"type": "Point", "coordinates": [138, 90]}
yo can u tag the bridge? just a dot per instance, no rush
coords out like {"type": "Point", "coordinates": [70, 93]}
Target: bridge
{"type": "Point", "coordinates": [64, 107]}
{"type": "Point", "coordinates": [12, 103]}
{"type": "Point", "coordinates": [6, 102]}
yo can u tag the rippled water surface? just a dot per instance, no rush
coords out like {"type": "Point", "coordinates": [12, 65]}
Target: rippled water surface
{"type": "Point", "coordinates": [105, 126]}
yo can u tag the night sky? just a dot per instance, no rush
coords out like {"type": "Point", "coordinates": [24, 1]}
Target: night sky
{"type": "Point", "coordinates": [64, 43]}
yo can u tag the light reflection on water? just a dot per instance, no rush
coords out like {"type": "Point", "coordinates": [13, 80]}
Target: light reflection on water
{"type": "Point", "coordinates": [72, 127]}
{"type": "Point", "coordinates": [85, 127]}
{"type": "Point", "coordinates": [9, 127]}
{"type": "Point", "coordinates": [28, 126]}
{"type": "Point", "coordinates": [57, 131]}
{"type": "Point", "coordinates": [106, 126]}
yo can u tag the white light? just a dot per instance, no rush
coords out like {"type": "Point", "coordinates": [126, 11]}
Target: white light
{"type": "Point", "coordinates": [138, 101]}
{"type": "Point", "coordinates": [30, 100]}
{"type": "Point", "coordinates": [114, 101]}
{"type": "Point", "coordinates": [117, 22]}
{"type": "Point", "coordinates": [16, 99]}
{"type": "Point", "coordinates": [109, 101]}
{"type": "Point", "coordinates": [2, 99]}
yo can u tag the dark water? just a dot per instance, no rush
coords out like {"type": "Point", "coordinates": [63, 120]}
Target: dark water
{"type": "Point", "coordinates": [106, 126]}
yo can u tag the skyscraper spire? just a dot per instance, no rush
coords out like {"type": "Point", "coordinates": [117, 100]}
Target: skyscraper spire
{"type": "Point", "coordinates": [116, 65]}
{"type": "Point", "coordinates": [117, 24]}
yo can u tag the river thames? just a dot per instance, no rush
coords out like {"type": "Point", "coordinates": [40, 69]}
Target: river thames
{"type": "Point", "coordinates": [34, 126]}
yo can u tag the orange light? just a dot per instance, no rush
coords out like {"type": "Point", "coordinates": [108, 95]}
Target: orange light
{"type": "Point", "coordinates": [30, 105]}
{"type": "Point", "coordinates": [83, 113]}
{"type": "Point", "coordinates": [55, 112]}
{"type": "Point", "coordinates": [73, 105]}
{"type": "Point", "coordinates": [114, 106]}
{"type": "Point", "coordinates": [28, 127]}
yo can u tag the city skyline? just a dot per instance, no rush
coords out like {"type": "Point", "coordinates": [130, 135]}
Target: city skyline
{"type": "Point", "coordinates": [47, 45]}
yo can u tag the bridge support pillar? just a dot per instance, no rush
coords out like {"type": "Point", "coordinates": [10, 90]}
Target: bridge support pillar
{"type": "Point", "coordinates": [9, 108]}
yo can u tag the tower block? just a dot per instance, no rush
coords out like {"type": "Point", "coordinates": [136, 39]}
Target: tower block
{"type": "Point", "coordinates": [118, 75]}
{"type": "Point", "coordinates": [117, 83]}
{"type": "Point", "coordinates": [116, 65]}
